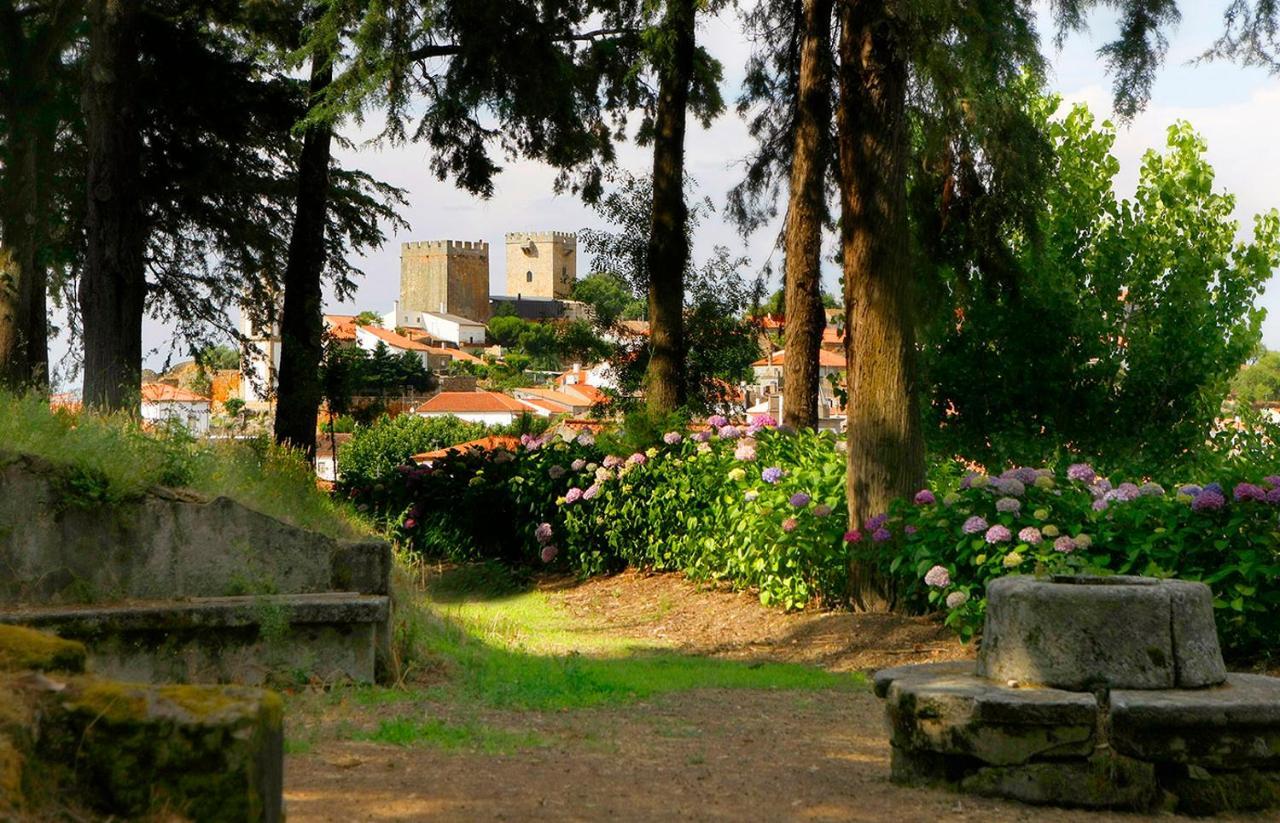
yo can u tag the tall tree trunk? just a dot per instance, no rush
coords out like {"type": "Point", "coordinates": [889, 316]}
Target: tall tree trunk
{"type": "Point", "coordinates": [113, 287]}
{"type": "Point", "coordinates": [301, 324]}
{"type": "Point", "coordinates": [24, 351]}
{"type": "Point", "coordinates": [886, 451]}
{"type": "Point", "coordinates": [805, 211]}
{"type": "Point", "coordinates": [668, 251]}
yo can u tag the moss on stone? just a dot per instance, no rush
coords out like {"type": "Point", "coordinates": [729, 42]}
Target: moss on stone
{"type": "Point", "coordinates": [27, 649]}
{"type": "Point", "coordinates": [11, 794]}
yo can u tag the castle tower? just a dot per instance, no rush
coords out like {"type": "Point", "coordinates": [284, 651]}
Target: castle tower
{"type": "Point", "coordinates": [542, 264]}
{"type": "Point", "coordinates": [445, 275]}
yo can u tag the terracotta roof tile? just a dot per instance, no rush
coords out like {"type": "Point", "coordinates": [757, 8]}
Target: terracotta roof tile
{"type": "Point", "coordinates": [164, 393]}
{"type": "Point", "coordinates": [452, 402]}
{"type": "Point", "coordinates": [825, 358]}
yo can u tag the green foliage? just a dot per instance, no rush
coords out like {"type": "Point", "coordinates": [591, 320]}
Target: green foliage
{"type": "Point", "coordinates": [1118, 331]}
{"type": "Point", "coordinates": [233, 406]}
{"type": "Point", "coordinates": [350, 371]}
{"type": "Point", "coordinates": [219, 358]}
{"type": "Point", "coordinates": [372, 456]}
{"type": "Point", "coordinates": [112, 459]}
{"type": "Point", "coordinates": [470, 736]}
{"type": "Point", "coordinates": [1259, 381]}
{"type": "Point", "coordinates": [607, 295]}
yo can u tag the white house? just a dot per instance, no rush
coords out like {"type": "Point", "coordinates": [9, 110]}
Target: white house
{"type": "Point", "coordinates": [767, 386]}
{"type": "Point", "coordinates": [439, 325]}
{"type": "Point", "coordinates": [261, 363]}
{"type": "Point", "coordinates": [486, 407]}
{"type": "Point", "coordinates": [162, 403]}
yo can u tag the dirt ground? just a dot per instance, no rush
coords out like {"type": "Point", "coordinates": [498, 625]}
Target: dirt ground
{"type": "Point", "coordinates": [705, 754]}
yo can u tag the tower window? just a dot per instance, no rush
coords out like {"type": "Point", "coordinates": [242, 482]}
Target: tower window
{"type": "Point", "coordinates": [528, 277]}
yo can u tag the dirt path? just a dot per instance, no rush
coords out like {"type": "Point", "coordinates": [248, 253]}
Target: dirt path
{"type": "Point", "coordinates": [697, 754]}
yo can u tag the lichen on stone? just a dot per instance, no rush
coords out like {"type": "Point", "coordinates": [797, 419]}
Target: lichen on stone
{"type": "Point", "coordinates": [27, 649]}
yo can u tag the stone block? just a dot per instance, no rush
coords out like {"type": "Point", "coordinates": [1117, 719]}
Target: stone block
{"type": "Point", "coordinates": [965, 715]}
{"type": "Point", "coordinates": [1233, 726]}
{"type": "Point", "coordinates": [362, 566]}
{"type": "Point", "coordinates": [208, 753]}
{"type": "Point", "coordinates": [884, 678]}
{"type": "Point", "coordinates": [1084, 633]}
{"type": "Point", "coordinates": [1105, 781]}
{"type": "Point", "coordinates": [1202, 792]}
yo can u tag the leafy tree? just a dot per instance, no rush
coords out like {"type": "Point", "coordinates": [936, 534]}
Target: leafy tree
{"type": "Point", "coordinates": [606, 294]}
{"type": "Point", "coordinates": [577, 341]}
{"type": "Point", "coordinates": [218, 358]}
{"type": "Point", "coordinates": [374, 453]}
{"type": "Point", "coordinates": [1259, 380]}
{"type": "Point", "coordinates": [506, 329]}
{"type": "Point", "coordinates": [1128, 320]}
{"type": "Point", "coordinates": [368, 318]}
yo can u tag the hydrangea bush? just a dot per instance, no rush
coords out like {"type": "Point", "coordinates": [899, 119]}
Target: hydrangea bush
{"type": "Point", "coordinates": [1032, 521]}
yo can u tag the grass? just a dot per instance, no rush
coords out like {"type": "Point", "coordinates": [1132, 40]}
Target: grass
{"type": "Point", "coordinates": [435, 733]}
{"type": "Point", "coordinates": [111, 459]}
{"type": "Point", "coordinates": [509, 648]}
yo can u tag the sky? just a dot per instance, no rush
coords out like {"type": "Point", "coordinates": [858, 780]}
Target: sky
{"type": "Point", "coordinates": [1236, 110]}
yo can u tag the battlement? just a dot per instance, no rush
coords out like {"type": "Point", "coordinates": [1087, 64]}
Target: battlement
{"type": "Point", "coordinates": [475, 247]}
{"type": "Point", "coordinates": [567, 237]}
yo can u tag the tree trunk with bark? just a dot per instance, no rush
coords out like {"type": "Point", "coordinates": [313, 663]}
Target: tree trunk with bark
{"type": "Point", "coordinates": [802, 241]}
{"type": "Point", "coordinates": [668, 250]}
{"type": "Point", "coordinates": [24, 352]}
{"type": "Point", "coordinates": [113, 286]}
{"type": "Point", "coordinates": [301, 324]}
{"type": "Point", "coordinates": [886, 451]}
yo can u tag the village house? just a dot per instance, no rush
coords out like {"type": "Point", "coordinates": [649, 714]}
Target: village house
{"type": "Point", "coordinates": [764, 395]}
{"type": "Point", "coordinates": [162, 403]}
{"type": "Point", "coordinates": [490, 408]}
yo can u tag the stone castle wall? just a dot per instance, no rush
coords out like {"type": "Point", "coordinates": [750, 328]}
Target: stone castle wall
{"type": "Point", "coordinates": [453, 274]}
{"type": "Point", "coordinates": [542, 264]}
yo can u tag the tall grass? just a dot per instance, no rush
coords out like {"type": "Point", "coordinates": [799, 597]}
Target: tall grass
{"type": "Point", "coordinates": [112, 459]}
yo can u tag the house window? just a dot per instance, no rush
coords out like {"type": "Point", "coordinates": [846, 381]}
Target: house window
{"type": "Point", "coordinates": [528, 277]}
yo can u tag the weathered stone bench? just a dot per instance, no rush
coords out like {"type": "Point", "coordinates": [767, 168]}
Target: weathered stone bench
{"type": "Point", "coordinates": [176, 587]}
{"type": "Point", "coordinates": [1080, 698]}
{"type": "Point", "coordinates": [331, 636]}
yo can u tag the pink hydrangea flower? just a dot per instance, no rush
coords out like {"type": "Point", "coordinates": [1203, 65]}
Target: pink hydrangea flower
{"type": "Point", "coordinates": [790, 524]}
{"type": "Point", "coordinates": [924, 497]}
{"type": "Point", "coordinates": [1031, 536]}
{"type": "Point", "coordinates": [938, 577]}
{"type": "Point", "coordinates": [548, 553]}
{"type": "Point", "coordinates": [957, 599]}
{"type": "Point", "coordinates": [1064, 544]}
{"type": "Point", "coordinates": [974, 525]}
{"type": "Point", "coordinates": [998, 534]}
{"type": "Point", "coordinates": [745, 451]}
{"type": "Point", "coordinates": [672, 438]}
{"type": "Point", "coordinates": [543, 532]}
{"type": "Point", "coordinates": [573, 495]}
{"type": "Point", "coordinates": [853, 536]}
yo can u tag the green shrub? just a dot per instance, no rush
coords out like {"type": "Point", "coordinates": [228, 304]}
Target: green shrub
{"type": "Point", "coordinates": [372, 455]}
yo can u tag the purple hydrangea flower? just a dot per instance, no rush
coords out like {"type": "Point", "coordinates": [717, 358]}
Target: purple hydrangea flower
{"type": "Point", "coordinates": [1208, 500]}
{"type": "Point", "coordinates": [578, 465]}
{"type": "Point", "coordinates": [586, 439]}
{"type": "Point", "coordinates": [1008, 505]}
{"type": "Point", "coordinates": [822, 510]}
{"type": "Point", "coordinates": [881, 534]}
{"type": "Point", "coordinates": [771, 475]}
{"type": "Point", "coordinates": [1150, 489]}
{"type": "Point", "coordinates": [701, 437]}
{"type": "Point", "coordinates": [1023, 474]}
{"type": "Point", "coordinates": [555, 472]}
{"type": "Point", "coordinates": [853, 536]}
{"type": "Point", "coordinates": [573, 495]}
{"type": "Point", "coordinates": [1064, 544]}
{"type": "Point", "coordinates": [592, 492]}
{"type": "Point", "coordinates": [974, 525]}
{"type": "Point", "coordinates": [672, 438]}
{"type": "Point", "coordinates": [998, 534]}
{"type": "Point", "coordinates": [909, 529]}
{"type": "Point", "coordinates": [729, 432]}
{"type": "Point", "coordinates": [938, 577]}
{"type": "Point", "coordinates": [1126, 492]}
{"type": "Point", "coordinates": [1273, 496]}
{"type": "Point", "coordinates": [1100, 504]}
{"type": "Point", "coordinates": [1214, 487]}
{"type": "Point", "coordinates": [716, 421]}
{"type": "Point", "coordinates": [876, 522]}
{"type": "Point", "coordinates": [800, 500]}
{"type": "Point", "coordinates": [1082, 472]}
{"type": "Point", "coordinates": [1009, 485]}
{"type": "Point", "coordinates": [543, 532]}
{"type": "Point", "coordinates": [789, 525]}
{"type": "Point", "coordinates": [1272, 480]}
{"type": "Point", "coordinates": [548, 553]}
{"type": "Point", "coordinates": [1249, 491]}
{"type": "Point", "coordinates": [924, 497]}
{"type": "Point", "coordinates": [1190, 489]}
{"type": "Point", "coordinates": [1031, 536]}
{"type": "Point", "coordinates": [764, 421]}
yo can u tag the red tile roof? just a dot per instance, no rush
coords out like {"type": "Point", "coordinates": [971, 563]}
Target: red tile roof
{"type": "Point", "coordinates": [488, 444]}
{"type": "Point", "coordinates": [341, 326]}
{"type": "Point", "coordinates": [395, 341]}
{"type": "Point", "coordinates": [558, 397]}
{"type": "Point", "coordinates": [826, 359]}
{"type": "Point", "coordinates": [592, 394]}
{"type": "Point", "coordinates": [452, 402]}
{"type": "Point", "coordinates": [164, 393]}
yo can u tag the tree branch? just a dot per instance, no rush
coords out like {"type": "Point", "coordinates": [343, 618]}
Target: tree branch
{"type": "Point", "coordinates": [449, 49]}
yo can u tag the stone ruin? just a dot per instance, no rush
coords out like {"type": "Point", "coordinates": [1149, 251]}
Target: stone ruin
{"type": "Point", "coordinates": [174, 587]}
{"type": "Point", "coordinates": [1091, 692]}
